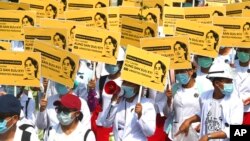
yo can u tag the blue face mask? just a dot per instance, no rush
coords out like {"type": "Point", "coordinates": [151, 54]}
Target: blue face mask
{"type": "Point", "coordinates": [112, 69]}
{"type": "Point", "coordinates": [183, 78]}
{"type": "Point", "coordinates": [228, 89]}
{"type": "Point", "coordinates": [243, 56]}
{"type": "Point", "coordinates": [64, 119]}
{"type": "Point", "coordinates": [3, 126]}
{"type": "Point", "coordinates": [128, 91]}
{"type": "Point", "coordinates": [61, 89]}
{"type": "Point", "coordinates": [205, 62]}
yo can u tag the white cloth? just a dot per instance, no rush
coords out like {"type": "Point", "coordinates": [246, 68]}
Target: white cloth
{"type": "Point", "coordinates": [231, 106]}
{"type": "Point", "coordinates": [106, 98]}
{"type": "Point", "coordinates": [160, 101]}
{"type": "Point", "coordinates": [226, 58]}
{"type": "Point", "coordinates": [242, 81]}
{"type": "Point", "coordinates": [56, 134]}
{"type": "Point", "coordinates": [48, 117]}
{"type": "Point", "coordinates": [134, 130]}
{"type": "Point", "coordinates": [19, 132]}
{"type": "Point", "coordinates": [30, 118]}
{"type": "Point", "coordinates": [203, 83]}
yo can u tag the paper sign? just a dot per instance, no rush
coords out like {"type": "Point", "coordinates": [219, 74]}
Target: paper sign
{"type": "Point", "coordinates": [102, 47]}
{"type": "Point", "coordinates": [54, 36]}
{"type": "Point", "coordinates": [217, 2]}
{"type": "Point", "coordinates": [5, 46]}
{"type": "Point", "coordinates": [80, 4]}
{"type": "Point", "coordinates": [97, 17]}
{"type": "Point", "coordinates": [245, 13]}
{"type": "Point", "coordinates": [132, 3]}
{"type": "Point", "coordinates": [176, 48]}
{"type": "Point", "coordinates": [132, 12]}
{"type": "Point", "coordinates": [57, 64]}
{"type": "Point", "coordinates": [204, 39]}
{"type": "Point", "coordinates": [12, 21]}
{"type": "Point", "coordinates": [236, 30]}
{"type": "Point", "coordinates": [114, 19]}
{"type": "Point", "coordinates": [157, 4]}
{"type": "Point", "coordinates": [20, 68]}
{"type": "Point", "coordinates": [14, 6]}
{"type": "Point", "coordinates": [151, 15]}
{"type": "Point", "coordinates": [147, 69]}
{"type": "Point", "coordinates": [69, 25]}
{"type": "Point", "coordinates": [204, 14]}
{"type": "Point", "coordinates": [171, 15]}
{"type": "Point", "coordinates": [132, 30]}
{"type": "Point", "coordinates": [235, 9]}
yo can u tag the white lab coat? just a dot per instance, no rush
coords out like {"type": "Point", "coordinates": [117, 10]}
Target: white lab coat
{"type": "Point", "coordinates": [203, 83]}
{"type": "Point", "coordinates": [19, 132]}
{"type": "Point", "coordinates": [232, 111]}
{"type": "Point", "coordinates": [226, 58]}
{"type": "Point", "coordinates": [134, 129]}
{"type": "Point", "coordinates": [242, 82]}
{"type": "Point", "coordinates": [30, 119]}
{"type": "Point", "coordinates": [160, 101]}
{"type": "Point", "coordinates": [48, 117]}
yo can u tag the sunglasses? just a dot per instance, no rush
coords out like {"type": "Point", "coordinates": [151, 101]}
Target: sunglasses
{"type": "Point", "coordinates": [64, 110]}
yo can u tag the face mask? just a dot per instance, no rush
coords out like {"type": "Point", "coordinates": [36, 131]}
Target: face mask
{"type": "Point", "coordinates": [205, 62]}
{"type": "Point", "coordinates": [183, 78]}
{"type": "Point", "coordinates": [228, 89]}
{"type": "Point", "coordinates": [128, 91]}
{"type": "Point", "coordinates": [61, 89]}
{"type": "Point", "coordinates": [112, 69]}
{"type": "Point", "coordinates": [3, 126]}
{"type": "Point", "coordinates": [243, 57]}
{"type": "Point", "coordinates": [65, 119]}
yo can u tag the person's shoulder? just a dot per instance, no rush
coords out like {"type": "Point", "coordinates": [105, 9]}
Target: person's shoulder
{"type": "Point", "coordinates": [207, 94]}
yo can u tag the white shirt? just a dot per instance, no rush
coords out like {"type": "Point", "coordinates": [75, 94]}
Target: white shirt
{"type": "Point", "coordinates": [226, 58]}
{"type": "Point", "coordinates": [30, 109]}
{"type": "Point", "coordinates": [56, 134]}
{"type": "Point", "coordinates": [242, 82]}
{"type": "Point", "coordinates": [19, 132]}
{"type": "Point", "coordinates": [203, 83]}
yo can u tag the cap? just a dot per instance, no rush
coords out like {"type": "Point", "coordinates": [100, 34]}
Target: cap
{"type": "Point", "coordinates": [69, 101]}
{"type": "Point", "coordinates": [9, 104]}
{"type": "Point", "coordinates": [221, 69]}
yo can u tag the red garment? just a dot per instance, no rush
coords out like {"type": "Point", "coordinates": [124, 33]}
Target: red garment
{"type": "Point", "coordinates": [159, 134]}
{"type": "Point", "coordinates": [246, 118]}
{"type": "Point", "coordinates": [101, 133]}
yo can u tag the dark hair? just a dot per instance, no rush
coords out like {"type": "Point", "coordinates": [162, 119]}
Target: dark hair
{"type": "Point", "coordinates": [247, 7]}
{"type": "Point", "coordinates": [153, 16]}
{"type": "Point", "coordinates": [72, 64]}
{"type": "Point", "coordinates": [103, 17]}
{"type": "Point", "coordinates": [247, 23]}
{"type": "Point", "coordinates": [65, 4]}
{"type": "Point", "coordinates": [163, 68]}
{"type": "Point", "coordinates": [34, 63]}
{"type": "Point", "coordinates": [2, 48]}
{"type": "Point", "coordinates": [54, 9]}
{"type": "Point", "coordinates": [114, 42]}
{"type": "Point", "coordinates": [62, 37]}
{"type": "Point", "coordinates": [152, 32]}
{"type": "Point", "coordinates": [29, 19]}
{"type": "Point", "coordinates": [74, 27]}
{"type": "Point", "coordinates": [184, 47]}
{"type": "Point", "coordinates": [218, 12]}
{"type": "Point", "coordinates": [161, 9]}
{"type": "Point", "coordinates": [216, 37]}
{"type": "Point", "coordinates": [102, 4]}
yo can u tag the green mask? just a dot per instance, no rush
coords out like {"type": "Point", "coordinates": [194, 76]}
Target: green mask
{"type": "Point", "coordinates": [205, 62]}
{"type": "Point", "coordinates": [243, 56]}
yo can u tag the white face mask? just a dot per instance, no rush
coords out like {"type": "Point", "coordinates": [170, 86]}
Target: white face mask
{"type": "Point", "coordinates": [65, 119]}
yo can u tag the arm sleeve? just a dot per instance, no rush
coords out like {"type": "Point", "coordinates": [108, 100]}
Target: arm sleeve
{"type": "Point", "coordinates": [147, 121]}
{"type": "Point", "coordinates": [42, 120]}
{"type": "Point", "coordinates": [31, 109]}
{"type": "Point", "coordinates": [110, 114]}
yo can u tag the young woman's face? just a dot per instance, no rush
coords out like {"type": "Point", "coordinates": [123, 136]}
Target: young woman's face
{"type": "Point", "coordinates": [61, 7]}
{"type": "Point", "coordinates": [67, 67]}
{"type": "Point", "coordinates": [29, 67]}
{"type": "Point", "coordinates": [179, 51]}
{"type": "Point", "coordinates": [108, 47]}
{"type": "Point", "coordinates": [147, 33]}
{"type": "Point", "coordinates": [246, 32]}
{"type": "Point", "coordinates": [99, 21]}
{"type": "Point", "coordinates": [49, 12]}
{"type": "Point", "coordinates": [158, 72]}
{"type": "Point", "coordinates": [210, 40]}
{"type": "Point", "coordinates": [58, 41]}
{"type": "Point", "coordinates": [26, 22]}
{"type": "Point", "coordinates": [150, 19]}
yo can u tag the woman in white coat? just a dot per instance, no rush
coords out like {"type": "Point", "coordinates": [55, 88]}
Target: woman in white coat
{"type": "Point", "coordinates": [131, 121]}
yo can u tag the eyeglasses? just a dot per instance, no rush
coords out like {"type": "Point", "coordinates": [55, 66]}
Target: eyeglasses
{"type": "Point", "coordinates": [64, 110]}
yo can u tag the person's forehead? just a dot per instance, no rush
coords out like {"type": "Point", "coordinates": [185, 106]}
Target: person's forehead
{"type": "Point", "coordinates": [108, 40]}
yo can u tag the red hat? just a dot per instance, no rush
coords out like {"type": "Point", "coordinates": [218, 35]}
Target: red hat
{"type": "Point", "coordinates": [69, 101]}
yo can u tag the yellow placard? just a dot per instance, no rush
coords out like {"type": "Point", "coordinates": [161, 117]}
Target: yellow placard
{"type": "Point", "coordinates": [81, 4]}
{"type": "Point", "coordinates": [147, 69]}
{"type": "Point", "coordinates": [204, 14]}
{"type": "Point", "coordinates": [20, 68]}
{"type": "Point", "coordinates": [217, 2]}
{"type": "Point", "coordinates": [171, 15]}
{"type": "Point", "coordinates": [5, 46]}
{"type": "Point", "coordinates": [69, 25]}
{"type": "Point", "coordinates": [235, 9]}
{"type": "Point", "coordinates": [57, 64]}
{"type": "Point", "coordinates": [132, 12]}
{"type": "Point", "coordinates": [54, 36]}
{"type": "Point", "coordinates": [132, 30]}
{"type": "Point", "coordinates": [12, 22]}
{"type": "Point", "coordinates": [114, 18]}
{"type": "Point", "coordinates": [176, 48]}
{"type": "Point", "coordinates": [245, 13]}
{"type": "Point", "coordinates": [236, 31]}
{"type": "Point", "coordinates": [204, 39]}
{"type": "Point", "coordinates": [151, 15]}
{"type": "Point", "coordinates": [134, 3]}
{"type": "Point", "coordinates": [14, 6]}
{"type": "Point", "coordinates": [97, 17]}
{"type": "Point", "coordinates": [157, 4]}
{"type": "Point", "coordinates": [102, 47]}
{"type": "Point", "coordinates": [44, 8]}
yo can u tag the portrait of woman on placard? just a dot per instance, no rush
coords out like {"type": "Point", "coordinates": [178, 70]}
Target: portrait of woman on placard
{"type": "Point", "coordinates": [100, 5]}
{"type": "Point", "coordinates": [180, 52]}
{"type": "Point", "coordinates": [2, 48]}
{"type": "Point", "coordinates": [159, 72]}
{"type": "Point", "coordinates": [149, 32]}
{"type": "Point", "coordinates": [110, 46]}
{"type": "Point", "coordinates": [50, 11]}
{"type": "Point", "coordinates": [246, 32]}
{"type": "Point", "coordinates": [27, 21]}
{"type": "Point", "coordinates": [31, 68]}
{"type": "Point", "coordinates": [212, 40]}
{"type": "Point", "coordinates": [217, 13]}
{"type": "Point", "coordinates": [68, 68]}
{"type": "Point", "coordinates": [62, 6]}
{"type": "Point", "coordinates": [59, 40]}
{"type": "Point", "coordinates": [100, 20]}
{"type": "Point", "coordinates": [151, 17]}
